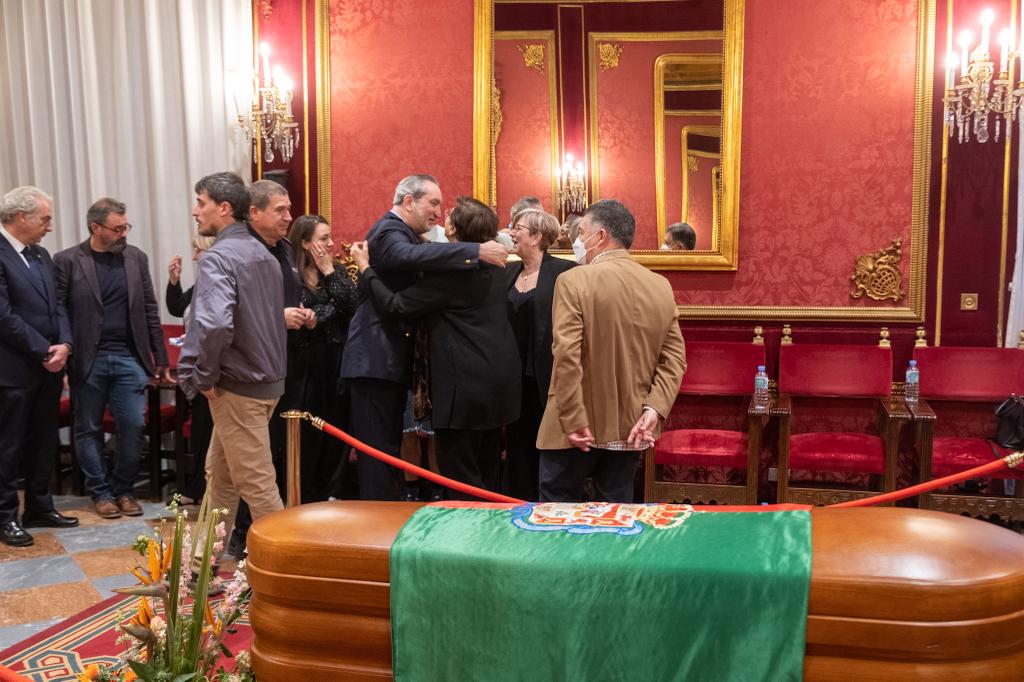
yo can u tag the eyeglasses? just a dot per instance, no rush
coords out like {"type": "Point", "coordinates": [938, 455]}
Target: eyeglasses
{"type": "Point", "coordinates": [517, 227]}
{"type": "Point", "coordinates": [124, 229]}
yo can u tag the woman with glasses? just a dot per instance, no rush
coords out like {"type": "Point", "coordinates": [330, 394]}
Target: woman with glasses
{"type": "Point", "coordinates": [315, 351]}
{"type": "Point", "coordinates": [178, 302]}
{"type": "Point", "coordinates": [530, 284]}
{"type": "Point", "coordinates": [474, 364]}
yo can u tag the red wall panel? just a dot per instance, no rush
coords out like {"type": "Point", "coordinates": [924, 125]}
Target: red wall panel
{"type": "Point", "coordinates": [401, 103]}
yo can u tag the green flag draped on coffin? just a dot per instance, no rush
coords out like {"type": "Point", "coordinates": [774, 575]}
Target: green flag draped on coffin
{"type": "Point", "coordinates": [599, 592]}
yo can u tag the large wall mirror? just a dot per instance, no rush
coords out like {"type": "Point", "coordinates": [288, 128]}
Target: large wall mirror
{"type": "Point", "coordinates": [641, 99]}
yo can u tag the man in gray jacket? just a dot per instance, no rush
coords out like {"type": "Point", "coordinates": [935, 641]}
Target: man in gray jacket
{"type": "Point", "coordinates": [234, 351]}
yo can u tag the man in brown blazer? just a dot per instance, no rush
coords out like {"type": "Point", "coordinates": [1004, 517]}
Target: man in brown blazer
{"type": "Point", "coordinates": [618, 360]}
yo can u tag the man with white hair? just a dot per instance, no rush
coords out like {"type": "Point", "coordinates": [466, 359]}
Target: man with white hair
{"type": "Point", "coordinates": [377, 362]}
{"type": "Point", "coordinates": [35, 341]}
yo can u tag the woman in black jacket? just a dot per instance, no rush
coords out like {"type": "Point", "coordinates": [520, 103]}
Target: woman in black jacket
{"type": "Point", "coordinates": [315, 351]}
{"type": "Point", "coordinates": [474, 362]}
{"type": "Point", "coordinates": [530, 284]}
{"type": "Point", "coordinates": [178, 302]}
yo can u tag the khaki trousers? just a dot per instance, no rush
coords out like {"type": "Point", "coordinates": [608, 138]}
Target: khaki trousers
{"type": "Point", "coordinates": [238, 462]}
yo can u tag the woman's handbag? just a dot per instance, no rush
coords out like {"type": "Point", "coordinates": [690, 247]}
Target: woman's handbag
{"type": "Point", "coordinates": [1010, 429]}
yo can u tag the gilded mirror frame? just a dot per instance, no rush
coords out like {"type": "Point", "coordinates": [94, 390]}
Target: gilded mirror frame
{"type": "Point", "coordinates": [726, 256]}
{"type": "Point", "coordinates": [716, 177]}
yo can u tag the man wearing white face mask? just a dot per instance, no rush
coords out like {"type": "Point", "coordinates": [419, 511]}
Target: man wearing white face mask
{"type": "Point", "coordinates": [679, 237]}
{"type": "Point", "coordinates": [618, 360]}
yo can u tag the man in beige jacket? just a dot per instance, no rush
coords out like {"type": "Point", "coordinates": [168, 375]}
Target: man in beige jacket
{"type": "Point", "coordinates": [618, 361]}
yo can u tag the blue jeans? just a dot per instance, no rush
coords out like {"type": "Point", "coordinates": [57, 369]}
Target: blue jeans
{"type": "Point", "coordinates": [117, 381]}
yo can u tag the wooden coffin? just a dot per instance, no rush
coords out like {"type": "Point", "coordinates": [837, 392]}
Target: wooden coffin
{"type": "Point", "coordinates": [896, 594]}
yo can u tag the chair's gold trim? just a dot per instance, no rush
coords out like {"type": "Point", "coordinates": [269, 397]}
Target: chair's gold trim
{"type": "Point", "coordinates": [322, 48]}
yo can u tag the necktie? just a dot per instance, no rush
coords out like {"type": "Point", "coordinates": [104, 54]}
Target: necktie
{"type": "Point", "coordinates": [33, 265]}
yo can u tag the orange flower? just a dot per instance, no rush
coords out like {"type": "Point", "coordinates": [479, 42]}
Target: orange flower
{"type": "Point", "coordinates": [145, 614]}
{"type": "Point", "coordinates": [130, 676]}
{"type": "Point", "coordinates": [212, 621]}
{"type": "Point", "coordinates": [158, 561]}
{"type": "Point", "coordinates": [91, 671]}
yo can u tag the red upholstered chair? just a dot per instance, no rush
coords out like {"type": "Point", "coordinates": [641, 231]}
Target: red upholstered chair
{"type": "Point", "coordinates": [70, 467]}
{"type": "Point", "coordinates": [838, 419]}
{"type": "Point", "coordinates": [719, 381]}
{"type": "Point", "coordinates": [955, 423]}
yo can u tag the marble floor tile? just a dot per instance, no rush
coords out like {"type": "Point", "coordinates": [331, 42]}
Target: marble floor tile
{"type": "Point", "coordinates": [105, 586]}
{"type": "Point", "coordinates": [100, 563]}
{"type": "Point", "coordinates": [46, 570]}
{"type": "Point", "coordinates": [105, 536]}
{"type": "Point", "coordinates": [12, 634]}
{"type": "Point", "coordinates": [41, 603]}
{"type": "Point", "coordinates": [45, 545]}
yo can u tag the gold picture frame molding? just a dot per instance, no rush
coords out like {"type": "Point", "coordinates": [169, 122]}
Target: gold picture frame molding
{"type": "Point", "coordinates": [732, 111]}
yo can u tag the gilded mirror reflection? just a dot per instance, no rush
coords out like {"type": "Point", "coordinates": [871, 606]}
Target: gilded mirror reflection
{"type": "Point", "coordinates": [640, 101]}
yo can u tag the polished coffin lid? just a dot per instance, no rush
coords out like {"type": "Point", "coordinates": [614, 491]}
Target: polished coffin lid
{"type": "Point", "coordinates": [893, 591]}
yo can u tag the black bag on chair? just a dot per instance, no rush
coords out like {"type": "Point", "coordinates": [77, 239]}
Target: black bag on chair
{"type": "Point", "coordinates": [1010, 430]}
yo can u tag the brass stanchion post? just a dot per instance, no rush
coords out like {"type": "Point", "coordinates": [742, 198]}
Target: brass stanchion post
{"type": "Point", "coordinates": [293, 483]}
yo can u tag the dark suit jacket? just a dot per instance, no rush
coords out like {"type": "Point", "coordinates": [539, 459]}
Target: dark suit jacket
{"type": "Point", "coordinates": [78, 290]}
{"type": "Point", "coordinates": [475, 375]}
{"type": "Point", "coordinates": [550, 269]}
{"type": "Point", "coordinates": [382, 349]}
{"type": "Point", "coordinates": [31, 318]}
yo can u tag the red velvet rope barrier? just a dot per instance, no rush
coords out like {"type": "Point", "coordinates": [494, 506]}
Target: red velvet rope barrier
{"type": "Point", "coordinates": [1008, 462]}
{"type": "Point", "coordinates": [412, 468]}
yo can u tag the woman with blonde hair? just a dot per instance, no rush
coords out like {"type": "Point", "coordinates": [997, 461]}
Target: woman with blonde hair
{"type": "Point", "coordinates": [531, 286]}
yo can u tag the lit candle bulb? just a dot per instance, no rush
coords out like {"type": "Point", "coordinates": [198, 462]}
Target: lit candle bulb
{"type": "Point", "coordinates": [265, 53]}
{"type": "Point", "coordinates": [986, 21]}
{"type": "Point", "coordinates": [965, 43]}
{"type": "Point", "coordinates": [1004, 50]}
{"type": "Point", "coordinates": [285, 84]}
{"type": "Point", "coordinates": [951, 60]}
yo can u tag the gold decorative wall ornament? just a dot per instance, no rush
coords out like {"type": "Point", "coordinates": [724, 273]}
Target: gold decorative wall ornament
{"type": "Point", "coordinates": [496, 121]}
{"type": "Point", "coordinates": [878, 275]}
{"type": "Point", "coordinates": [691, 163]}
{"type": "Point", "coordinates": [883, 338]}
{"type": "Point", "coordinates": [533, 56]}
{"type": "Point", "coordinates": [610, 54]}
{"type": "Point", "coordinates": [920, 341]}
{"type": "Point", "coordinates": [787, 335]}
{"type": "Point", "coordinates": [758, 335]}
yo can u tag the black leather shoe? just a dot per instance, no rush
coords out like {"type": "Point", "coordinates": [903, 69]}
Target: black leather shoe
{"type": "Point", "coordinates": [14, 535]}
{"type": "Point", "coordinates": [50, 519]}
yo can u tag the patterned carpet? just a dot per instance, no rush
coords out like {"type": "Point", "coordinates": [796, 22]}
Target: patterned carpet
{"type": "Point", "coordinates": [61, 651]}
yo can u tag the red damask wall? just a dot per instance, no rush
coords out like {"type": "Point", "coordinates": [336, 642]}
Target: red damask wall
{"type": "Point", "coordinates": [401, 103]}
{"type": "Point", "coordinates": [827, 151]}
{"type": "Point", "coordinates": [523, 150]}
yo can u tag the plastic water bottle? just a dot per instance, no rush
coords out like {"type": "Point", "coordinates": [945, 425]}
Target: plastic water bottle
{"type": "Point", "coordinates": [761, 398]}
{"type": "Point", "coordinates": [913, 385]}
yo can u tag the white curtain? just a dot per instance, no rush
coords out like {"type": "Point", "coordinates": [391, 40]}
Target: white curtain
{"type": "Point", "coordinates": [122, 98]}
{"type": "Point", "coordinates": [1015, 318]}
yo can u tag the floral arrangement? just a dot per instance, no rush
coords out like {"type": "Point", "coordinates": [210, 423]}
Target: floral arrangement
{"type": "Point", "coordinates": [171, 638]}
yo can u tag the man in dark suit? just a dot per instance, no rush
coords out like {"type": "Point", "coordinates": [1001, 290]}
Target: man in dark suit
{"type": "Point", "coordinates": [119, 345]}
{"type": "Point", "coordinates": [34, 346]}
{"type": "Point", "coordinates": [377, 362]}
{"type": "Point", "coordinates": [474, 362]}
